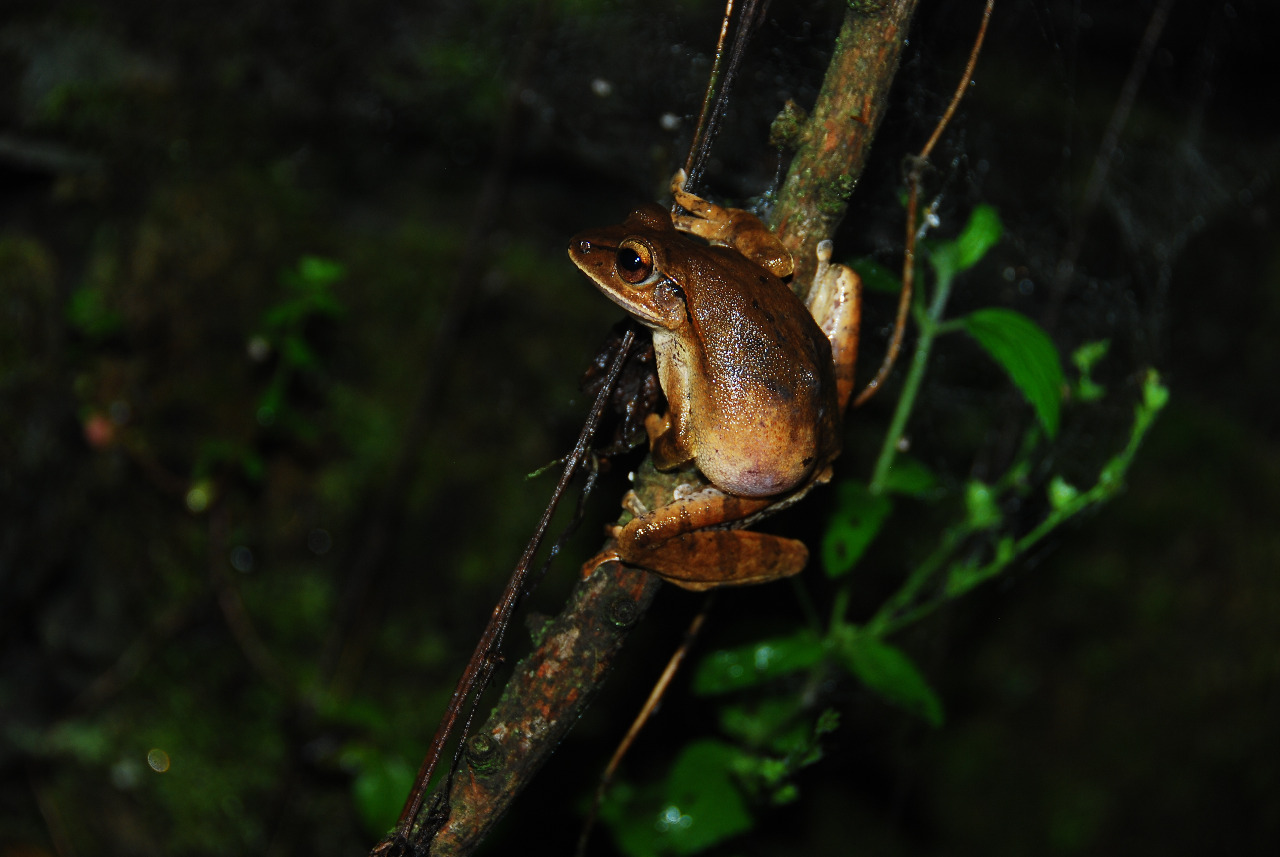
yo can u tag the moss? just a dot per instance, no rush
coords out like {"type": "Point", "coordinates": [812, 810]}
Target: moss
{"type": "Point", "coordinates": [833, 195]}
{"type": "Point", "coordinates": [788, 127]}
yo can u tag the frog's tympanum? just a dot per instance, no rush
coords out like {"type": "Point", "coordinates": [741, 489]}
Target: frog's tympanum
{"type": "Point", "coordinates": [756, 381]}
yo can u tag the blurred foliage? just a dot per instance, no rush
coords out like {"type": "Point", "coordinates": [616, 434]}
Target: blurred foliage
{"type": "Point", "coordinates": [273, 363]}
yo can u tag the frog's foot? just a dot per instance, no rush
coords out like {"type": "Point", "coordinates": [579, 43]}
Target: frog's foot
{"type": "Point", "coordinates": [835, 302]}
{"type": "Point", "coordinates": [605, 556]}
{"type": "Point", "coordinates": [709, 559]}
{"type": "Point", "coordinates": [665, 447]}
{"type": "Point", "coordinates": [633, 504]}
{"type": "Point", "coordinates": [730, 227]}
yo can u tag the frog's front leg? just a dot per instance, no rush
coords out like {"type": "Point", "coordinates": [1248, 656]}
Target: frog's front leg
{"type": "Point", "coordinates": [673, 543]}
{"type": "Point", "coordinates": [730, 227]}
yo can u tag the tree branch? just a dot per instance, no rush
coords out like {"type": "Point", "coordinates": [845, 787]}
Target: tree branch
{"type": "Point", "coordinates": [834, 141]}
{"type": "Point", "coordinates": [550, 688]}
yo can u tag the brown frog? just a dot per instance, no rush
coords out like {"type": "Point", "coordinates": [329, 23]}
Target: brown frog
{"type": "Point", "coordinates": [756, 381]}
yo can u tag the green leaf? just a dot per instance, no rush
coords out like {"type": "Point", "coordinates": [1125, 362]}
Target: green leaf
{"type": "Point", "coordinates": [1061, 493]}
{"type": "Point", "coordinates": [886, 670]}
{"type": "Point", "coordinates": [910, 477]}
{"type": "Point", "coordinates": [747, 666]}
{"type": "Point", "coordinates": [980, 504]}
{"type": "Point", "coordinates": [979, 235]}
{"type": "Point", "coordinates": [87, 311]}
{"type": "Point", "coordinates": [1088, 390]}
{"type": "Point", "coordinates": [703, 806]}
{"type": "Point", "coordinates": [1026, 354]}
{"type": "Point", "coordinates": [876, 277]}
{"type": "Point", "coordinates": [758, 724]}
{"type": "Point", "coordinates": [283, 316]}
{"type": "Point", "coordinates": [1089, 355]}
{"type": "Point", "coordinates": [379, 791]}
{"type": "Point", "coordinates": [1155, 395]}
{"type": "Point", "coordinates": [1085, 358]}
{"type": "Point", "coordinates": [320, 271]}
{"type": "Point", "coordinates": [828, 721]}
{"type": "Point", "coordinates": [297, 353]}
{"type": "Point", "coordinates": [628, 810]}
{"type": "Point", "coordinates": [859, 515]}
{"type": "Point", "coordinates": [85, 742]}
{"type": "Point", "coordinates": [962, 576]}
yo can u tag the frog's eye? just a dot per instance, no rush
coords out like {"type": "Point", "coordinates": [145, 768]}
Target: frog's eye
{"type": "Point", "coordinates": [634, 262]}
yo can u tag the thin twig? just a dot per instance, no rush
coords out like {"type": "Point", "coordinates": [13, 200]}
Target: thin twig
{"type": "Point", "coordinates": [646, 711]}
{"type": "Point", "coordinates": [709, 121]}
{"type": "Point", "coordinates": [480, 667]}
{"type": "Point", "coordinates": [909, 254]}
{"type": "Point", "coordinates": [708, 97]}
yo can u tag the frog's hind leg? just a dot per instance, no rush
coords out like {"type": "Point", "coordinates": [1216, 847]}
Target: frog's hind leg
{"type": "Point", "coordinates": [673, 541]}
{"type": "Point", "coordinates": [708, 559]}
{"type": "Point", "coordinates": [835, 302]}
{"type": "Point", "coordinates": [709, 507]}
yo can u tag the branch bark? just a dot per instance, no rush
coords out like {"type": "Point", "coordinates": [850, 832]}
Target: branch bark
{"type": "Point", "coordinates": [552, 686]}
{"type": "Point", "coordinates": [834, 141]}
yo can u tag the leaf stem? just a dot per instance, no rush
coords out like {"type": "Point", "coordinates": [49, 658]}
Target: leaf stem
{"type": "Point", "coordinates": [961, 579]}
{"type": "Point", "coordinates": [930, 324]}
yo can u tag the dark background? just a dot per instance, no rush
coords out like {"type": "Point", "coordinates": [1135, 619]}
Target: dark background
{"type": "Point", "coordinates": [289, 641]}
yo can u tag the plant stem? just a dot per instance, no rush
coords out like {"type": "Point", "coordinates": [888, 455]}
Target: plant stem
{"type": "Point", "coordinates": [930, 325]}
{"type": "Point", "coordinates": [960, 580]}
{"type": "Point", "coordinates": [883, 622]}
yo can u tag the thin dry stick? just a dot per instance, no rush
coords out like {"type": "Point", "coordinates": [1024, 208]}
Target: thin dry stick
{"type": "Point", "coordinates": [646, 711]}
{"type": "Point", "coordinates": [709, 97]}
{"type": "Point", "coordinates": [746, 23]}
{"type": "Point", "coordinates": [480, 667]}
{"type": "Point", "coordinates": [909, 255]}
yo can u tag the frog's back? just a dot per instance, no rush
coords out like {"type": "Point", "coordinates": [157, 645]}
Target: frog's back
{"type": "Point", "coordinates": [767, 401]}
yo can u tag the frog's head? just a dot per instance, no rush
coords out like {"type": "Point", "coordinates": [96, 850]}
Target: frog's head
{"type": "Point", "coordinates": [636, 265]}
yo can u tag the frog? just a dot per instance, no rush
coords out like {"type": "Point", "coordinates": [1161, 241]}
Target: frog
{"type": "Point", "coordinates": [756, 382]}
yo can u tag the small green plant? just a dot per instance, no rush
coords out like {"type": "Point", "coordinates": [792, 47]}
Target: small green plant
{"type": "Point", "coordinates": [309, 296]}
{"type": "Point", "coordinates": [771, 730]}
{"type": "Point", "coordinates": [282, 336]}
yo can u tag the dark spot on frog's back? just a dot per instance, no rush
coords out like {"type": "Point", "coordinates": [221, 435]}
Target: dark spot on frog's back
{"type": "Point", "coordinates": [781, 389]}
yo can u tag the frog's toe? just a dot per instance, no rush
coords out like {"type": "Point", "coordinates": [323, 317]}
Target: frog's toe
{"type": "Point", "coordinates": [605, 556]}
{"type": "Point", "coordinates": [633, 504]}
